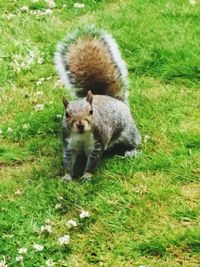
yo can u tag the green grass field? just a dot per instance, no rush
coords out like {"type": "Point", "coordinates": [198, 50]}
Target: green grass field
{"type": "Point", "coordinates": [143, 211]}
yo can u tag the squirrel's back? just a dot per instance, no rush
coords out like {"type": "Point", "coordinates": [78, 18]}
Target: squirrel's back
{"type": "Point", "coordinates": [89, 59]}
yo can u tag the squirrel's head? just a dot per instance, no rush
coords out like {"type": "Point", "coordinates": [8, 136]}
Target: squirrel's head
{"type": "Point", "coordinates": [79, 113]}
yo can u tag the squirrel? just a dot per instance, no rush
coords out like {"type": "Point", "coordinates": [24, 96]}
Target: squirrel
{"type": "Point", "coordinates": [89, 63]}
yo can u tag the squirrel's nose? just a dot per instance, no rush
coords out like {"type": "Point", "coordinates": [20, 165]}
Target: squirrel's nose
{"type": "Point", "coordinates": [80, 126]}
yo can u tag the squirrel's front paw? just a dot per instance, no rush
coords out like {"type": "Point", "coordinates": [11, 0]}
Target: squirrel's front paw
{"type": "Point", "coordinates": [132, 153]}
{"type": "Point", "coordinates": [86, 176]}
{"type": "Point", "coordinates": [67, 177]}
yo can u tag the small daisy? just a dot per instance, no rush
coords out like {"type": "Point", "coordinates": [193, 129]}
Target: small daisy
{"type": "Point", "coordinates": [59, 116]}
{"type": "Point", "coordinates": [24, 9]}
{"type": "Point", "coordinates": [39, 107]}
{"type": "Point", "coordinates": [84, 214]}
{"type": "Point", "coordinates": [50, 3]}
{"type": "Point", "coordinates": [146, 138]}
{"type": "Point", "coordinates": [71, 223]}
{"type": "Point", "coordinates": [38, 93]}
{"type": "Point", "coordinates": [26, 126]}
{"type": "Point", "coordinates": [48, 11]}
{"type": "Point", "coordinates": [50, 263]}
{"type": "Point", "coordinates": [142, 189]}
{"type": "Point", "coordinates": [79, 5]}
{"type": "Point", "coordinates": [39, 82]}
{"type": "Point", "coordinates": [22, 250]}
{"type": "Point", "coordinates": [40, 60]}
{"type": "Point", "coordinates": [19, 258]}
{"type": "Point", "coordinates": [58, 206]}
{"type": "Point", "coordinates": [10, 130]}
{"type": "Point", "coordinates": [58, 82]}
{"type": "Point", "coordinates": [18, 192]}
{"type": "Point", "coordinates": [64, 240]}
{"type": "Point", "coordinates": [38, 247]}
{"type": "Point", "coordinates": [46, 229]}
{"type": "Point", "coordinates": [10, 16]}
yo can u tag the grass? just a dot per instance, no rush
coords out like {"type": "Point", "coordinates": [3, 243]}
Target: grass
{"type": "Point", "coordinates": [143, 211]}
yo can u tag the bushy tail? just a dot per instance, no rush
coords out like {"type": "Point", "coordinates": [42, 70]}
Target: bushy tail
{"type": "Point", "coordinates": [89, 59]}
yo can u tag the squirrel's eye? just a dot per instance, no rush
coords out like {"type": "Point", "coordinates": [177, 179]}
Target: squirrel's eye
{"type": "Point", "coordinates": [91, 111]}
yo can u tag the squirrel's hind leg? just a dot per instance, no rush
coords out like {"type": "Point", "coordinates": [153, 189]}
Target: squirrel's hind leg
{"type": "Point", "coordinates": [132, 139]}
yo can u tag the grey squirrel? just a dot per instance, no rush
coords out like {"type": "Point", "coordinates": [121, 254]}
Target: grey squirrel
{"type": "Point", "coordinates": [89, 63]}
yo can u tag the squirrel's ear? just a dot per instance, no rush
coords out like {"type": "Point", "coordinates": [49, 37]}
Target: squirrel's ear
{"type": "Point", "coordinates": [89, 97]}
{"type": "Point", "coordinates": [65, 102]}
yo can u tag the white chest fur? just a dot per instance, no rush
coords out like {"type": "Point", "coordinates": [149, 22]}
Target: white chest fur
{"type": "Point", "coordinates": [83, 142]}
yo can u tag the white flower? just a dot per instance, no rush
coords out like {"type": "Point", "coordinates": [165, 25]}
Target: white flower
{"type": "Point", "coordinates": [50, 3]}
{"type": "Point", "coordinates": [79, 5]}
{"type": "Point", "coordinates": [38, 247]}
{"type": "Point", "coordinates": [59, 116]}
{"type": "Point", "coordinates": [58, 83]}
{"type": "Point", "coordinates": [24, 9]}
{"type": "Point", "coordinates": [50, 263]}
{"type": "Point", "coordinates": [146, 138]}
{"type": "Point", "coordinates": [40, 81]}
{"type": "Point", "coordinates": [64, 240]}
{"type": "Point", "coordinates": [84, 214]}
{"type": "Point", "coordinates": [41, 13]}
{"type": "Point", "coordinates": [10, 16]}
{"type": "Point", "coordinates": [16, 66]}
{"type": "Point", "coordinates": [19, 62]}
{"type": "Point", "coordinates": [22, 250]}
{"type": "Point", "coordinates": [10, 130]}
{"type": "Point", "coordinates": [48, 11]}
{"type": "Point", "coordinates": [39, 93]}
{"type": "Point", "coordinates": [192, 2]}
{"type": "Point", "coordinates": [39, 107]}
{"type": "Point", "coordinates": [71, 223]}
{"type": "Point", "coordinates": [30, 58]}
{"type": "Point", "coordinates": [26, 126]}
{"type": "Point", "coordinates": [64, 5]}
{"type": "Point", "coordinates": [58, 206]}
{"type": "Point", "coordinates": [34, 12]}
{"type": "Point", "coordinates": [40, 60]}
{"type": "Point", "coordinates": [46, 229]}
{"type": "Point", "coordinates": [35, 1]}
{"type": "Point", "coordinates": [1, 131]}
{"type": "Point", "coordinates": [19, 258]}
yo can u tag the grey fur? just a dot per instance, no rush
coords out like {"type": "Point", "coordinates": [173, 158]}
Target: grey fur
{"type": "Point", "coordinates": [112, 124]}
{"type": "Point", "coordinates": [110, 43]}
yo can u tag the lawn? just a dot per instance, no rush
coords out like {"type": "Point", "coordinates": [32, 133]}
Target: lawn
{"type": "Point", "coordinates": [143, 211]}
